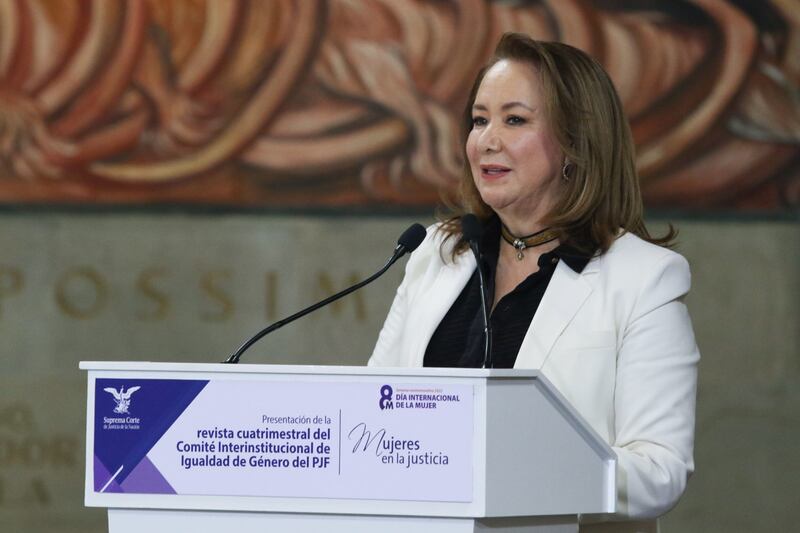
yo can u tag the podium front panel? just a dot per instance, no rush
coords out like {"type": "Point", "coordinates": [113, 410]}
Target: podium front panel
{"type": "Point", "coordinates": [340, 440]}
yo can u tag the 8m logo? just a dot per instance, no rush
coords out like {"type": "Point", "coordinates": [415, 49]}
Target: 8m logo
{"type": "Point", "coordinates": [386, 398]}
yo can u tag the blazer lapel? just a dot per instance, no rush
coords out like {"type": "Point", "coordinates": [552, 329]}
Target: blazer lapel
{"type": "Point", "coordinates": [435, 303]}
{"type": "Point", "coordinates": [565, 294]}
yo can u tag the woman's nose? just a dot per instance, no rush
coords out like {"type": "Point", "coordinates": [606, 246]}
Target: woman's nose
{"type": "Point", "coordinates": [489, 140]}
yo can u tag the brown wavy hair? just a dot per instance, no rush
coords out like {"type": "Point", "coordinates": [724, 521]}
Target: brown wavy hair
{"type": "Point", "coordinates": [602, 195]}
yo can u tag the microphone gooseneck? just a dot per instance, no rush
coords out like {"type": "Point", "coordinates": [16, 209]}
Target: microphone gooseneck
{"type": "Point", "coordinates": [407, 243]}
{"type": "Point", "coordinates": [472, 231]}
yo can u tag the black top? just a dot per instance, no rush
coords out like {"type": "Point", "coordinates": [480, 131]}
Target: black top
{"type": "Point", "coordinates": [458, 341]}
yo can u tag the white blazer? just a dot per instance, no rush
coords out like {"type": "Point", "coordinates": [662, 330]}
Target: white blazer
{"type": "Point", "coordinates": [616, 340]}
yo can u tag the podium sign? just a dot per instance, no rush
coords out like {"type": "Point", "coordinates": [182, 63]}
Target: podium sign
{"type": "Point", "coordinates": [216, 447]}
{"type": "Point", "coordinates": [278, 436]}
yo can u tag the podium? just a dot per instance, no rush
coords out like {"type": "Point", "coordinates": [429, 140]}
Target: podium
{"type": "Point", "coordinates": [255, 448]}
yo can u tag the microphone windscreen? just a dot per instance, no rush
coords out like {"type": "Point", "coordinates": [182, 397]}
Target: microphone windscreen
{"type": "Point", "coordinates": [412, 237]}
{"type": "Point", "coordinates": [471, 228]}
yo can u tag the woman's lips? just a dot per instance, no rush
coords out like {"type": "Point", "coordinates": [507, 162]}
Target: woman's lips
{"type": "Point", "coordinates": [490, 172]}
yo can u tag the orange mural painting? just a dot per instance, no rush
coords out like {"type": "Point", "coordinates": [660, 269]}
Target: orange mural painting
{"type": "Point", "coordinates": [343, 103]}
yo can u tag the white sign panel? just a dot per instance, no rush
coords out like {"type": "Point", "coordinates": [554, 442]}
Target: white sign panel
{"type": "Point", "coordinates": [391, 441]}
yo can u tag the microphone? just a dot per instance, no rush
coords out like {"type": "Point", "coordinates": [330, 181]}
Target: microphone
{"type": "Point", "coordinates": [472, 231]}
{"type": "Point", "coordinates": [407, 243]}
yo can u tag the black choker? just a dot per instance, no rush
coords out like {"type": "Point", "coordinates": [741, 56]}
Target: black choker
{"type": "Point", "coordinates": [529, 241]}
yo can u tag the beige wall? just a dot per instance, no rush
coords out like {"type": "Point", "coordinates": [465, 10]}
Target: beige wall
{"type": "Point", "coordinates": [191, 287]}
{"type": "Point", "coordinates": [745, 305]}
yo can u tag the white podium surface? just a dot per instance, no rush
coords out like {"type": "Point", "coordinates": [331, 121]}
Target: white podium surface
{"type": "Point", "coordinates": [207, 447]}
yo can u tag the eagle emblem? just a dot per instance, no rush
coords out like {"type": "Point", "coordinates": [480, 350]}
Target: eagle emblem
{"type": "Point", "coordinates": [122, 397]}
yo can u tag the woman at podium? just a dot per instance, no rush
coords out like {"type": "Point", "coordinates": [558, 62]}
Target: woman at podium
{"type": "Point", "coordinates": [574, 284]}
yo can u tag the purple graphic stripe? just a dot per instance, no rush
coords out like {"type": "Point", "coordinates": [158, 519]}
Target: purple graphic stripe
{"type": "Point", "coordinates": [101, 477]}
{"type": "Point", "coordinates": [146, 479]}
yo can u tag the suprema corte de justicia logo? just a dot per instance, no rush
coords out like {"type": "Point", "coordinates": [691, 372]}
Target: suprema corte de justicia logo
{"type": "Point", "coordinates": [122, 397]}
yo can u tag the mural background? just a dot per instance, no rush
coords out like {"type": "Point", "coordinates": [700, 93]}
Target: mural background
{"type": "Point", "coordinates": [345, 103]}
{"type": "Point", "coordinates": [175, 174]}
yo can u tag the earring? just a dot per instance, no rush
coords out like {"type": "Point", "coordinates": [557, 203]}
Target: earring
{"type": "Point", "coordinates": [565, 170]}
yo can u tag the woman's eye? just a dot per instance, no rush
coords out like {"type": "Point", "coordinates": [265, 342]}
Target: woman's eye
{"type": "Point", "coordinates": [515, 120]}
{"type": "Point", "coordinates": [478, 121]}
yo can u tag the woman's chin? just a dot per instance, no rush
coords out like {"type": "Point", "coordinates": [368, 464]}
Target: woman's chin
{"type": "Point", "coordinates": [497, 203]}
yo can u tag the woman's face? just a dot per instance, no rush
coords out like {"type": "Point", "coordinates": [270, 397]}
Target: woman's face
{"type": "Point", "coordinates": [513, 154]}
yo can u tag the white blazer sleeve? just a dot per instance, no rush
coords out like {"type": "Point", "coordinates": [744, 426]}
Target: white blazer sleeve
{"type": "Point", "coordinates": [386, 352]}
{"type": "Point", "coordinates": [654, 399]}
{"type": "Point", "coordinates": [392, 346]}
